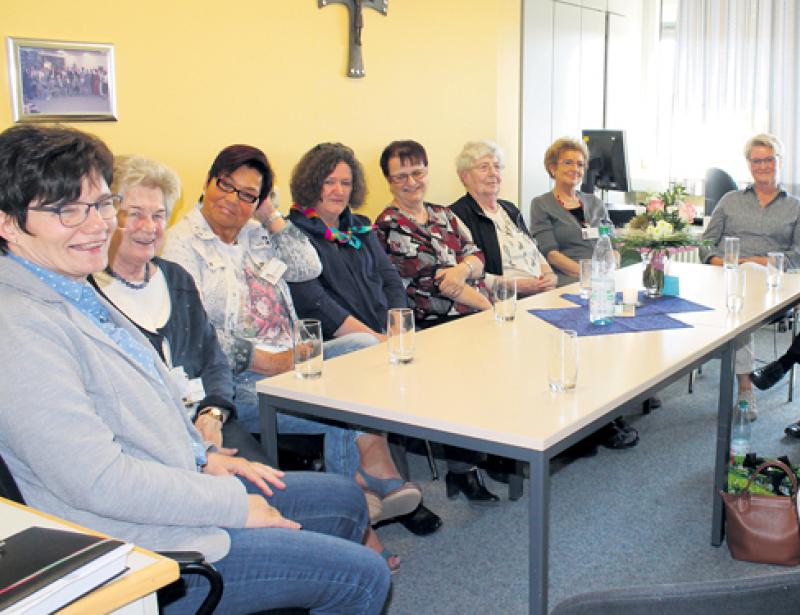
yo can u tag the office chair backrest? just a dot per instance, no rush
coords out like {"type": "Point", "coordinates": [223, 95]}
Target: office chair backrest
{"type": "Point", "coordinates": [8, 486]}
{"type": "Point", "coordinates": [718, 184]}
{"type": "Point", "coordinates": [774, 593]}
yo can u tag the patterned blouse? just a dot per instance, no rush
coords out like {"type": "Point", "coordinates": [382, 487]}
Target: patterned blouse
{"type": "Point", "coordinates": [418, 251]}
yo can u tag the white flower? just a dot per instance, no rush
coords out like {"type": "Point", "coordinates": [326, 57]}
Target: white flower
{"type": "Point", "coordinates": [660, 230]}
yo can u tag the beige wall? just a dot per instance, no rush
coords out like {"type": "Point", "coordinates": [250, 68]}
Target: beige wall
{"type": "Point", "coordinates": [194, 76]}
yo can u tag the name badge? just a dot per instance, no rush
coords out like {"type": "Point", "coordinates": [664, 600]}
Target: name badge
{"type": "Point", "coordinates": [589, 233]}
{"type": "Point", "coordinates": [273, 269]}
{"type": "Point", "coordinates": [192, 391]}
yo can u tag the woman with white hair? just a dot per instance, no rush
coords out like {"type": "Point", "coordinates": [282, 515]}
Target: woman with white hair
{"type": "Point", "coordinates": [161, 299]}
{"type": "Point", "coordinates": [496, 225]}
{"type": "Point", "coordinates": [565, 220]}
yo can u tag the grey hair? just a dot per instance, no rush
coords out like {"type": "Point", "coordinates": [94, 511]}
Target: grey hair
{"type": "Point", "coordinates": [475, 150]}
{"type": "Point", "coordinates": [764, 140]}
{"type": "Point", "coordinates": [130, 171]}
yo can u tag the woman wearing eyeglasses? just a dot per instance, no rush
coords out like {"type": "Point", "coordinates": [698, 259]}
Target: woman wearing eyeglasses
{"type": "Point", "coordinates": [442, 272]}
{"type": "Point", "coordinates": [496, 225]}
{"type": "Point", "coordinates": [564, 221]}
{"type": "Point", "coordinates": [242, 254]}
{"type": "Point", "coordinates": [93, 431]}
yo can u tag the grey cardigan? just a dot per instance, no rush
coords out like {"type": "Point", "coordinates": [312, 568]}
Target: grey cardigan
{"type": "Point", "coordinates": [557, 229]}
{"type": "Point", "coordinates": [91, 437]}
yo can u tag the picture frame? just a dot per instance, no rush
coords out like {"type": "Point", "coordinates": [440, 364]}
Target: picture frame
{"type": "Point", "coordinates": [58, 81]}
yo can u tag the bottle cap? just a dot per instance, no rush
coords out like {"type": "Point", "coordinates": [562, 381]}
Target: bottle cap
{"type": "Point", "coordinates": [743, 403]}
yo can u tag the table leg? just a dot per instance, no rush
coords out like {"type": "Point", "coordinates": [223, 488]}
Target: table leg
{"type": "Point", "coordinates": [269, 429]}
{"type": "Point", "coordinates": [539, 511]}
{"type": "Point", "coordinates": [727, 381]}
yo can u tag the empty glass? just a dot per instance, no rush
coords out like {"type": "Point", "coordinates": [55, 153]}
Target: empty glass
{"type": "Point", "coordinates": [562, 360]}
{"type": "Point", "coordinates": [731, 255]}
{"type": "Point", "coordinates": [308, 348]}
{"type": "Point", "coordinates": [505, 298]}
{"type": "Point", "coordinates": [775, 269]}
{"type": "Point", "coordinates": [735, 286]}
{"type": "Point", "coordinates": [586, 277]}
{"type": "Point", "coordinates": [400, 335]}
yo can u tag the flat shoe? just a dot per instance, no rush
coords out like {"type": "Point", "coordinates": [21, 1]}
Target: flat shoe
{"type": "Point", "coordinates": [768, 376]}
{"type": "Point", "coordinates": [421, 522]}
{"type": "Point", "coordinates": [793, 430]}
{"type": "Point", "coordinates": [615, 438]}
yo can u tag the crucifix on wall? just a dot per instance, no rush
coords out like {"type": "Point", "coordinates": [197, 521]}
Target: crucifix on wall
{"type": "Point", "coordinates": [355, 9]}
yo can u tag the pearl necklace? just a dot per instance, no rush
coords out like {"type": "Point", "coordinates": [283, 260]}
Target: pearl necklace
{"type": "Point", "coordinates": [133, 285]}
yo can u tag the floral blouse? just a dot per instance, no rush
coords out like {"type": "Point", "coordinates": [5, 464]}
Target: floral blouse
{"type": "Point", "coordinates": [419, 251]}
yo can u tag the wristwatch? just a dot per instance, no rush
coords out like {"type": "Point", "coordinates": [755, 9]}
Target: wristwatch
{"type": "Point", "coordinates": [214, 412]}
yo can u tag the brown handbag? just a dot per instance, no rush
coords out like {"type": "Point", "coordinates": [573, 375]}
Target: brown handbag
{"type": "Point", "coordinates": [763, 528]}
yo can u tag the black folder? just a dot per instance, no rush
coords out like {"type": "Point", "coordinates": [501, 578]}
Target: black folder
{"type": "Point", "coordinates": [35, 557]}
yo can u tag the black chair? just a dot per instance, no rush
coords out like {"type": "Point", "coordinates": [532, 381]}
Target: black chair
{"type": "Point", "coordinates": [718, 184]}
{"type": "Point", "coordinates": [777, 594]}
{"type": "Point", "coordinates": [189, 562]}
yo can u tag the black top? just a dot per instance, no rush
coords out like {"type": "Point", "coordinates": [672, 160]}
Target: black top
{"type": "Point", "coordinates": [192, 339]}
{"type": "Point", "coordinates": [354, 282]}
{"type": "Point", "coordinates": [484, 233]}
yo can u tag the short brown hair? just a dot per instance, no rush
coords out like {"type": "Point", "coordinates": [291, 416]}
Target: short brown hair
{"type": "Point", "coordinates": [558, 147]}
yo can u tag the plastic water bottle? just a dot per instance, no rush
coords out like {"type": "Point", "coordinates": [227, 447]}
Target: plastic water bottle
{"type": "Point", "coordinates": [741, 434]}
{"type": "Point", "coordinates": [603, 297]}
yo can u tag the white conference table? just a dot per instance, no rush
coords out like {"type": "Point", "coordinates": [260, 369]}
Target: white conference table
{"type": "Point", "coordinates": [481, 384]}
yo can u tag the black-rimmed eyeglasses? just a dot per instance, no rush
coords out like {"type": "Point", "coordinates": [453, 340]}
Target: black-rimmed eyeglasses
{"type": "Point", "coordinates": [75, 213]}
{"type": "Point", "coordinates": [228, 186]}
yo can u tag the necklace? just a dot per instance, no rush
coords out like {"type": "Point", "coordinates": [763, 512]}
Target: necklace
{"type": "Point", "coordinates": [133, 285]}
{"type": "Point", "coordinates": [564, 200]}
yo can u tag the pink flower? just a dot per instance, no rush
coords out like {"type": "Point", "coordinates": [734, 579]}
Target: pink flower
{"type": "Point", "coordinates": [655, 205]}
{"type": "Point", "coordinates": [686, 211]}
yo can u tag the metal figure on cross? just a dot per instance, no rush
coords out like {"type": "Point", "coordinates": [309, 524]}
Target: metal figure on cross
{"type": "Point", "coordinates": [355, 9]}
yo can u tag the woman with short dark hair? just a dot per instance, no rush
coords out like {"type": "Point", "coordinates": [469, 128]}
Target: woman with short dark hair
{"type": "Point", "coordinates": [93, 430]}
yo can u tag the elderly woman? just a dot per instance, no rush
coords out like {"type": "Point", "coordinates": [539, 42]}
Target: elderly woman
{"type": "Point", "coordinates": [161, 299]}
{"type": "Point", "coordinates": [358, 284]}
{"type": "Point", "coordinates": [496, 225]}
{"type": "Point", "coordinates": [765, 218]}
{"type": "Point", "coordinates": [564, 221]}
{"type": "Point", "coordinates": [441, 270]}
{"type": "Point", "coordinates": [241, 267]}
{"type": "Point", "coordinates": [104, 440]}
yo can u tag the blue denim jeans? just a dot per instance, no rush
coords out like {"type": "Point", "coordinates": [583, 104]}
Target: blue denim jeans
{"type": "Point", "coordinates": [322, 567]}
{"type": "Point", "coordinates": [341, 450]}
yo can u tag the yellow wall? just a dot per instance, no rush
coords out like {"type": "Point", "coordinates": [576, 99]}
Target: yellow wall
{"type": "Point", "coordinates": [194, 76]}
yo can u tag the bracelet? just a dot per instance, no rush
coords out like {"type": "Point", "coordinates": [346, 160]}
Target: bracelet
{"type": "Point", "coordinates": [470, 267]}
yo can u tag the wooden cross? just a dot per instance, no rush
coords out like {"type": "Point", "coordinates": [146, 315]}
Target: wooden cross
{"type": "Point", "coordinates": [355, 8]}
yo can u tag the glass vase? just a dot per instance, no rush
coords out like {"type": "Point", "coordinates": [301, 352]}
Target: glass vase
{"type": "Point", "coordinates": [655, 262]}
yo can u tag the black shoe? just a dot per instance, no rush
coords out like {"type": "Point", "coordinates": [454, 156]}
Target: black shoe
{"type": "Point", "coordinates": [623, 425]}
{"type": "Point", "coordinates": [421, 522]}
{"type": "Point", "coordinates": [793, 430]}
{"type": "Point", "coordinates": [471, 485]}
{"type": "Point", "coordinates": [768, 376]}
{"type": "Point", "coordinates": [612, 436]}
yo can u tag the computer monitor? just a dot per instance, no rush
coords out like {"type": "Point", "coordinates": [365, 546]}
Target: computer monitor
{"type": "Point", "coordinates": [608, 161]}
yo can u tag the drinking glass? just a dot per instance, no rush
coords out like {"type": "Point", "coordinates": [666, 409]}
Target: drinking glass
{"type": "Point", "coordinates": [505, 299]}
{"type": "Point", "coordinates": [308, 348]}
{"type": "Point", "coordinates": [735, 286]}
{"type": "Point", "coordinates": [775, 269]}
{"type": "Point", "coordinates": [731, 252]}
{"type": "Point", "coordinates": [586, 277]}
{"type": "Point", "coordinates": [400, 335]}
{"type": "Point", "coordinates": [562, 360]}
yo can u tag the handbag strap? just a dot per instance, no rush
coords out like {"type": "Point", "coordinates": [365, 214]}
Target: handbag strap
{"type": "Point", "coordinates": [778, 464]}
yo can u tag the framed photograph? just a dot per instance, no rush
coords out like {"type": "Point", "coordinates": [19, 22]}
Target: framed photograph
{"type": "Point", "coordinates": [54, 81]}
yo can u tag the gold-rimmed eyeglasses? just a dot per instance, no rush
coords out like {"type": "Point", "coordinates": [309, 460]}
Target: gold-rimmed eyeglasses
{"type": "Point", "coordinates": [402, 178]}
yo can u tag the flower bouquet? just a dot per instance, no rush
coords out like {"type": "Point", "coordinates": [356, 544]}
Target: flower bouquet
{"type": "Point", "coordinates": [660, 230]}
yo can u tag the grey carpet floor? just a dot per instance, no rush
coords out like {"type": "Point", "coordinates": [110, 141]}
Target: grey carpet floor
{"type": "Point", "coordinates": [619, 519]}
